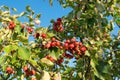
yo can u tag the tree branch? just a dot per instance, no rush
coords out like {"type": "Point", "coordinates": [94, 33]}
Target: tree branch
{"type": "Point", "coordinates": [35, 67]}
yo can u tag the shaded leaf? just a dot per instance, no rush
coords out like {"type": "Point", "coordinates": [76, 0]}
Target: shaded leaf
{"type": "Point", "coordinates": [51, 2]}
{"type": "Point", "coordinates": [38, 15]}
{"type": "Point", "coordinates": [28, 8]}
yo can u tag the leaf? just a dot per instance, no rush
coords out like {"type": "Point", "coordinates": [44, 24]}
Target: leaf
{"type": "Point", "coordinates": [55, 53]}
{"type": "Point", "coordinates": [28, 8]}
{"type": "Point", "coordinates": [97, 72]}
{"type": "Point", "coordinates": [18, 28]}
{"type": "Point", "coordinates": [50, 34]}
{"type": "Point", "coordinates": [23, 13]}
{"type": "Point", "coordinates": [2, 59]}
{"type": "Point", "coordinates": [57, 76]}
{"type": "Point", "coordinates": [22, 38]}
{"type": "Point", "coordinates": [87, 53]}
{"type": "Point", "coordinates": [24, 53]}
{"type": "Point", "coordinates": [68, 70]}
{"type": "Point", "coordinates": [38, 16]}
{"type": "Point", "coordinates": [14, 37]}
{"type": "Point", "coordinates": [33, 62]}
{"type": "Point", "coordinates": [46, 62]}
{"type": "Point", "coordinates": [8, 48]}
{"type": "Point", "coordinates": [14, 9]}
{"type": "Point", "coordinates": [6, 7]}
{"type": "Point", "coordinates": [32, 12]}
{"type": "Point", "coordinates": [51, 2]}
{"type": "Point", "coordinates": [45, 76]}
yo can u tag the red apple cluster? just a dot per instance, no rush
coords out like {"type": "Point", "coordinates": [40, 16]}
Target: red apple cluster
{"type": "Point", "coordinates": [57, 26]}
{"type": "Point", "coordinates": [71, 47]}
{"type": "Point", "coordinates": [53, 43]}
{"type": "Point", "coordinates": [60, 60]}
{"type": "Point", "coordinates": [10, 70]}
{"type": "Point", "coordinates": [28, 71]}
{"type": "Point", "coordinates": [11, 25]}
{"type": "Point", "coordinates": [37, 35]}
{"type": "Point", "coordinates": [29, 29]}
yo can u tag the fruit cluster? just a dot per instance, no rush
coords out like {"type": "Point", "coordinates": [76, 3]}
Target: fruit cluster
{"type": "Point", "coordinates": [53, 43]}
{"type": "Point", "coordinates": [11, 25]}
{"type": "Point", "coordinates": [71, 47]}
{"type": "Point", "coordinates": [10, 70]}
{"type": "Point", "coordinates": [37, 35]}
{"type": "Point", "coordinates": [29, 72]}
{"type": "Point", "coordinates": [57, 26]}
{"type": "Point", "coordinates": [29, 29]}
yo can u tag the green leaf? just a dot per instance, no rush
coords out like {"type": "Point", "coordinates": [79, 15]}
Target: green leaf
{"type": "Point", "coordinates": [24, 53]}
{"type": "Point", "coordinates": [28, 8]}
{"type": "Point", "coordinates": [55, 53]}
{"type": "Point", "coordinates": [6, 7]}
{"type": "Point", "coordinates": [23, 13]}
{"type": "Point", "coordinates": [14, 37]}
{"type": "Point", "coordinates": [33, 62]}
{"type": "Point", "coordinates": [68, 70]}
{"type": "Point", "coordinates": [38, 16]}
{"type": "Point", "coordinates": [22, 38]}
{"type": "Point", "coordinates": [51, 2]}
{"type": "Point", "coordinates": [18, 28]}
{"type": "Point", "coordinates": [50, 34]}
{"type": "Point", "coordinates": [2, 59]}
{"type": "Point", "coordinates": [14, 9]}
{"type": "Point", "coordinates": [93, 64]}
{"type": "Point", "coordinates": [8, 48]}
{"type": "Point", "coordinates": [14, 60]}
{"type": "Point", "coordinates": [46, 62]}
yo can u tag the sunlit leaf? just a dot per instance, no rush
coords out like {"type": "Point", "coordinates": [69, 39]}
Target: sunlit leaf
{"type": "Point", "coordinates": [14, 9]}
{"type": "Point", "coordinates": [9, 48]}
{"type": "Point", "coordinates": [23, 53]}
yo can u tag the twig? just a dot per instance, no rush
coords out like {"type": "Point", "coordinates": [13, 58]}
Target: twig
{"type": "Point", "coordinates": [88, 68]}
{"type": "Point", "coordinates": [35, 68]}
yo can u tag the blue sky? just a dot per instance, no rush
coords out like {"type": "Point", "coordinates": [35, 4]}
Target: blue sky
{"type": "Point", "coordinates": [39, 6]}
{"type": "Point", "coordinates": [43, 7]}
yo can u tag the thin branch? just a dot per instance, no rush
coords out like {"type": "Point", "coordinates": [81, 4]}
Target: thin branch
{"type": "Point", "coordinates": [35, 68]}
{"type": "Point", "coordinates": [88, 68]}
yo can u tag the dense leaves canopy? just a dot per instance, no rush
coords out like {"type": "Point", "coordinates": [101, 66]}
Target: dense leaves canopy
{"type": "Point", "coordinates": [78, 46]}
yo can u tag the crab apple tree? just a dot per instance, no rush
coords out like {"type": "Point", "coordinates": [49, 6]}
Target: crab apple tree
{"type": "Point", "coordinates": [78, 46]}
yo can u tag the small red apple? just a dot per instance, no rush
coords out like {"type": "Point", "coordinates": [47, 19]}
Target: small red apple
{"type": "Point", "coordinates": [25, 68]}
{"type": "Point", "coordinates": [73, 39]}
{"type": "Point", "coordinates": [83, 49]}
{"type": "Point", "coordinates": [71, 46]}
{"type": "Point", "coordinates": [43, 35]}
{"type": "Point", "coordinates": [32, 72]}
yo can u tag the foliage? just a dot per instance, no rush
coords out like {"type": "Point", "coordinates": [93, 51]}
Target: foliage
{"type": "Point", "coordinates": [78, 46]}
